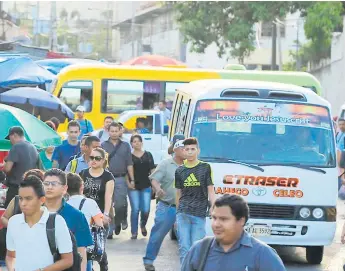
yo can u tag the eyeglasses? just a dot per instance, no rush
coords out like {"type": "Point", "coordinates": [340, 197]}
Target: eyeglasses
{"type": "Point", "coordinates": [53, 184]}
{"type": "Point", "coordinates": [97, 158]}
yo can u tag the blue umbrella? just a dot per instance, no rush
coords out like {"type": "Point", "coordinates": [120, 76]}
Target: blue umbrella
{"type": "Point", "coordinates": [23, 71]}
{"type": "Point", "coordinates": [37, 98]}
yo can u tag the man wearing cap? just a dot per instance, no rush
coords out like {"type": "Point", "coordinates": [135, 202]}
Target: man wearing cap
{"type": "Point", "coordinates": [22, 157]}
{"type": "Point", "coordinates": [176, 138]}
{"type": "Point", "coordinates": [86, 127]}
{"type": "Point", "coordinates": [162, 180]}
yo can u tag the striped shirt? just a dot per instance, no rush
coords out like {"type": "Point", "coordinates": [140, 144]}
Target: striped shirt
{"type": "Point", "coordinates": [193, 182]}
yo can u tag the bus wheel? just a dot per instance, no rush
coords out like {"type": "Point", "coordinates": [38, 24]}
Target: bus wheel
{"type": "Point", "coordinates": [314, 255]}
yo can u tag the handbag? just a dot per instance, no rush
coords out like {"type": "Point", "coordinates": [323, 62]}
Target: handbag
{"type": "Point", "coordinates": [96, 251]}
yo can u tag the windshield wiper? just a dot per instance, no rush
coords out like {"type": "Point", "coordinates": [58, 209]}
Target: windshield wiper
{"type": "Point", "coordinates": [297, 165]}
{"type": "Point", "coordinates": [226, 160]}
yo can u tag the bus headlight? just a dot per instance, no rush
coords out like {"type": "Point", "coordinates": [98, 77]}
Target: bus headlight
{"type": "Point", "coordinates": [304, 212]}
{"type": "Point", "coordinates": [318, 213]}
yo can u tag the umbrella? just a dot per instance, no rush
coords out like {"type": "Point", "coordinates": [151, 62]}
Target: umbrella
{"type": "Point", "coordinates": [5, 145]}
{"type": "Point", "coordinates": [153, 60]}
{"type": "Point", "coordinates": [36, 131]}
{"type": "Point", "coordinates": [23, 71]}
{"type": "Point", "coordinates": [37, 98]}
{"type": "Point", "coordinates": [55, 65]}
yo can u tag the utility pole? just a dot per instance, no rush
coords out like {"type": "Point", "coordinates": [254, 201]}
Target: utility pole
{"type": "Point", "coordinates": [133, 30]}
{"type": "Point", "coordinates": [280, 58]}
{"type": "Point", "coordinates": [274, 47]}
{"type": "Point", "coordinates": [297, 47]}
{"type": "Point", "coordinates": [109, 28]}
{"type": "Point", "coordinates": [53, 27]}
{"type": "Point", "coordinates": [3, 35]}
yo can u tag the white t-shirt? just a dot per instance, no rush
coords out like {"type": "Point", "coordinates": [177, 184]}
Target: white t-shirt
{"type": "Point", "coordinates": [31, 244]}
{"type": "Point", "coordinates": [90, 208]}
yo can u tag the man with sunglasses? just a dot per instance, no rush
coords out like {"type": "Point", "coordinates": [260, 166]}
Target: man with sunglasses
{"type": "Point", "coordinates": [121, 166]}
{"type": "Point", "coordinates": [82, 162]}
{"type": "Point", "coordinates": [55, 186]}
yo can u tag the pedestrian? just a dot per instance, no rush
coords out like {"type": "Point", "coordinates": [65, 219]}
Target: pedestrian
{"type": "Point", "coordinates": [140, 195]}
{"type": "Point", "coordinates": [166, 112]}
{"type": "Point", "coordinates": [55, 186]}
{"type": "Point", "coordinates": [68, 148]}
{"type": "Point", "coordinates": [121, 166]}
{"type": "Point", "coordinates": [194, 185]}
{"type": "Point", "coordinates": [162, 180]}
{"type": "Point", "coordinates": [12, 209]}
{"type": "Point", "coordinates": [103, 134]}
{"type": "Point", "coordinates": [175, 138]}
{"type": "Point", "coordinates": [86, 127]}
{"type": "Point", "coordinates": [56, 122]}
{"type": "Point", "coordinates": [87, 206]}
{"type": "Point", "coordinates": [340, 136]}
{"type": "Point", "coordinates": [99, 186]}
{"type": "Point", "coordinates": [50, 124]}
{"type": "Point", "coordinates": [78, 164]}
{"type": "Point", "coordinates": [46, 156]}
{"type": "Point", "coordinates": [22, 157]}
{"type": "Point", "coordinates": [231, 247]}
{"type": "Point", "coordinates": [27, 241]}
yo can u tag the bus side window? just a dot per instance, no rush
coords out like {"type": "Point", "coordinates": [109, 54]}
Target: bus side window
{"type": "Point", "coordinates": [75, 93]}
{"type": "Point", "coordinates": [181, 124]}
{"type": "Point", "coordinates": [177, 111]}
{"type": "Point", "coordinates": [121, 95]}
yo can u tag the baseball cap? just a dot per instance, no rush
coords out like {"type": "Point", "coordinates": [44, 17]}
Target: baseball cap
{"type": "Point", "coordinates": [176, 137]}
{"type": "Point", "coordinates": [178, 144]}
{"type": "Point", "coordinates": [80, 108]}
{"type": "Point", "coordinates": [15, 130]}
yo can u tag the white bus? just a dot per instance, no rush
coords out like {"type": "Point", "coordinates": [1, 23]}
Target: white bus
{"type": "Point", "coordinates": [274, 145]}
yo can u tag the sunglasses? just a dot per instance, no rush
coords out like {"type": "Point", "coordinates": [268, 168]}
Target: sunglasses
{"type": "Point", "coordinates": [96, 158]}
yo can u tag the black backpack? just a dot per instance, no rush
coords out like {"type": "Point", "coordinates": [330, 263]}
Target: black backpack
{"type": "Point", "coordinates": [205, 249]}
{"type": "Point", "coordinates": [53, 249]}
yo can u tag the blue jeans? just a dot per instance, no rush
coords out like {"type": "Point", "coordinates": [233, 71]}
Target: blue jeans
{"type": "Point", "coordinates": [89, 266]}
{"type": "Point", "coordinates": [140, 202]}
{"type": "Point", "coordinates": [190, 229]}
{"type": "Point", "coordinates": [164, 221]}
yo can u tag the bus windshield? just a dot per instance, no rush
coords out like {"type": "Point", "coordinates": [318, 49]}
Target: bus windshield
{"type": "Point", "coordinates": [264, 132]}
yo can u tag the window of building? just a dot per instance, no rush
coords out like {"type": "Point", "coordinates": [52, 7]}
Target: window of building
{"type": "Point", "coordinates": [267, 29]}
{"type": "Point", "coordinates": [75, 93]}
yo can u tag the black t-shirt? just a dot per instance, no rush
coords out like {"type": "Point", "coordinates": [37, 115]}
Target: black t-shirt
{"type": "Point", "coordinates": [94, 187]}
{"type": "Point", "coordinates": [193, 182]}
{"type": "Point", "coordinates": [142, 169]}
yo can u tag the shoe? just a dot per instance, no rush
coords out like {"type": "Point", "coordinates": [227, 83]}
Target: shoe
{"type": "Point", "coordinates": [144, 231]}
{"type": "Point", "coordinates": [117, 230]}
{"type": "Point", "coordinates": [110, 237]}
{"type": "Point", "coordinates": [124, 226]}
{"type": "Point", "coordinates": [149, 267]}
{"type": "Point", "coordinates": [134, 236]}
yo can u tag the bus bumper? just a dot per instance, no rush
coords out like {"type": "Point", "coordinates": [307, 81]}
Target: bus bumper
{"type": "Point", "coordinates": [292, 232]}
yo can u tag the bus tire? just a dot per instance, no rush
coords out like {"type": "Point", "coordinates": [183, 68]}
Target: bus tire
{"type": "Point", "coordinates": [173, 234]}
{"type": "Point", "coordinates": [314, 254]}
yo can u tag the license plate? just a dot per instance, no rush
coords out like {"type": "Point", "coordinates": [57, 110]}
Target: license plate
{"type": "Point", "coordinates": [259, 230]}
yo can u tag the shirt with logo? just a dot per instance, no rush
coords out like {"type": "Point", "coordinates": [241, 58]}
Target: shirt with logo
{"type": "Point", "coordinates": [193, 182]}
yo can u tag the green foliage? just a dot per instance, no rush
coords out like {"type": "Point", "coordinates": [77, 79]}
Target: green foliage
{"type": "Point", "coordinates": [231, 24]}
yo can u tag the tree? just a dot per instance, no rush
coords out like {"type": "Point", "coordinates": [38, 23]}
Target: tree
{"type": "Point", "coordinates": [230, 25]}
{"type": "Point", "coordinates": [63, 14]}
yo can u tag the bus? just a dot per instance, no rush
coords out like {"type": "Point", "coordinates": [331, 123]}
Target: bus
{"type": "Point", "coordinates": [112, 89]}
{"type": "Point", "coordinates": [272, 144]}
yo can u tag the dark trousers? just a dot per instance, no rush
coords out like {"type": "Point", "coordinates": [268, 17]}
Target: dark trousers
{"type": "Point", "coordinates": [11, 193]}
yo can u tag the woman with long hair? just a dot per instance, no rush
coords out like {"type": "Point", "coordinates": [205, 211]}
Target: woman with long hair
{"type": "Point", "coordinates": [140, 192]}
{"type": "Point", "coordinates": [99, 185]}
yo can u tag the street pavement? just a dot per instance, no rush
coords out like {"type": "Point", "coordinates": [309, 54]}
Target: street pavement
{"type": "Point", "coordinates": [126, 255]}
